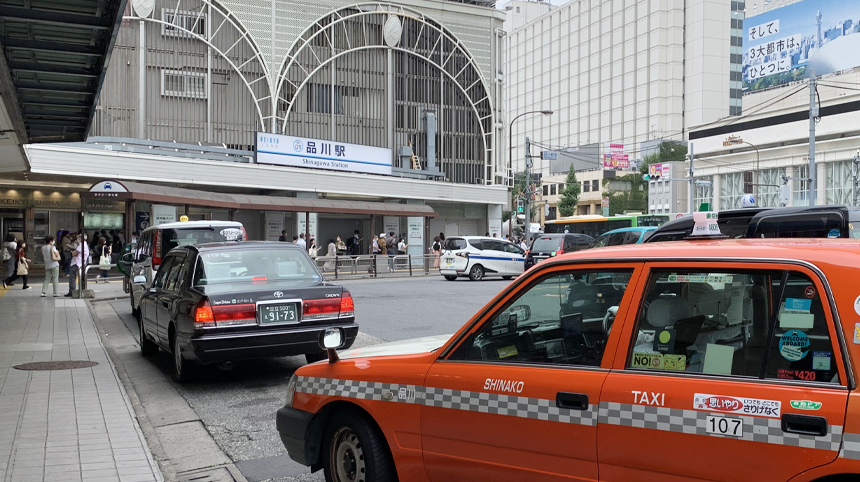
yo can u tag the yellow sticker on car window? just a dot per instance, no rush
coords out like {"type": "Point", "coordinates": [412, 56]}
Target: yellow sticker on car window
{"type": "Point", "coordinates": [507, 352]}
{"type": "Point", "coordinates": [675, 362]}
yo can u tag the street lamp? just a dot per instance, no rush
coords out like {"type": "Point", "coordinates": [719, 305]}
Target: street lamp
{"type": "Point", "coordinates": [511, 160]}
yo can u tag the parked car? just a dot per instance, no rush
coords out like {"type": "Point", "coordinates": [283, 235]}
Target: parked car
{"type": "Point", "coordinates": [617, 237]}
{"type": "Point", "coordinates": [546, 246]}
{"type": "Point", "coordinates": [480, 256]}
{"type": "Point", "coordinates": [785, 222]}
{"type": "Point", "coordinates": [156, 241]}
{"type": "Point", "coordinates": [222, 302]}
{"type": "Point", "coordinates": [652, 360]}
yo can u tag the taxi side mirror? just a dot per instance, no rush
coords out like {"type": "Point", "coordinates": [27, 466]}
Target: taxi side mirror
{"type": "Point", "coordinates": [140, 280]}
{"type": "Point", "coordinates": [331, 340]}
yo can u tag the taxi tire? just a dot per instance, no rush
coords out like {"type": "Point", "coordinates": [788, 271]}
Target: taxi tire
{"type": "Point", "coordinates": [476, 273]}
{"type": "Point", "coordinates": [378, 464]}
{"type": "Point", "coordinates": [450, 278]}
{"type": "Point", "coordinates": [183, 369]}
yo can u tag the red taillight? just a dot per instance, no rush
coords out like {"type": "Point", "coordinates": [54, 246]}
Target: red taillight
{"type": "Point", "coordinates": [559, 252]}
{"type": "Point", "coordinates": [316, 309]}
{"type": "Point", "coordinates": [203, 316]}
{"type": "Point", "coordinates": [208, 316]}
{"type": "Point", "coordinates": [347, 306]}
{"type": "Point", "coordinates": [527, 253]}
{"type": "Point", "coordinates": [244, 234]}
{"type": "Point", "coordinates": [259, 280]}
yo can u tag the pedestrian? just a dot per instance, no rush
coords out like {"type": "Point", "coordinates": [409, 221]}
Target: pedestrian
{"type": "Point", "coordinates": [494, 235]}
{"type": "Point", "coordinates": [391, 244]}
{"type": "Point", "coordinates": [65, 243]}
{"type": "Point", "coordinates": [313, 249]}
{"type": "Point", "coordinates": [331, 252]}
{"type": "Point", "coordinates": [524, 245]}
{"type": "Point", "coordinates": [103, 250]}
{"type": "Point", "coordinates": [295, 239]}
{"type": "Point", "coordinates": [356, 242]}
{"type": "Point", "coordinates": [382, 247]}
{"type": "Point", "coordinates": [80, 252]}
{"type": "Point", "coordinates": [51, 257]}
{"type": "Point", "coordinates": [134, 236]}
{"type": "Point", "coordinates": [115, 248]}
{"type": "Point", "coordinates": [401, 246]}
{"type": "Point", "coordinates": [374, 245]}
{"type": "Point", "coordinates": [436, 249]}
{"type": "Point", "coordinates": [22, 267]}
{"type": "Point", "coordinates": [301, 241]}
{"type": "Point", "coordinates": [340, 246]}
{"type": "Point", "coordinates": [442, 238]}
{"type": "Point", "coordinates": [10, 247]}
{"type": "Point", "coordinates": [487, 234]}
{"type": "Point", "coordinates": [283, 237]}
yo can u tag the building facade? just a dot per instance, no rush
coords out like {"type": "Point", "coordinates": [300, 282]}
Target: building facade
{"type": "Point", "coordinates": [420, 78]}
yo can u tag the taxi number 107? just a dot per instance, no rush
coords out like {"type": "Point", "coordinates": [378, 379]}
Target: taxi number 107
{"type": "Point", "coordinates": [733, 427]}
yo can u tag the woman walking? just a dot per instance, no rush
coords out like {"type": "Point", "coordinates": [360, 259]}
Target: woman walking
{"type": "Point", "coordinates": [104, 251]}
{"type": "Point", "coordinates": [22, 267]}
{"type": "Point", "coordinates": [437, 251]}
{"type": "Point", "coordinates": [52, 265]}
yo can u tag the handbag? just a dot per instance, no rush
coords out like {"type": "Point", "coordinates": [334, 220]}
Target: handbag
{"type": "Point", "coordinates": [55, 255]}
{"type": "Point", "coordinates": [22, 268]}
{"type": "Point", "coordinates": [104, 259]}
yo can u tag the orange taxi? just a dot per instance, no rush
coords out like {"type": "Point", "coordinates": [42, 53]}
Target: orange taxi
{"type": "Point", "coordinates": [709, 360]}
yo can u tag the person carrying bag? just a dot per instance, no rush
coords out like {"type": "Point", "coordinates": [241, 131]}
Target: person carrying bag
{"type": "Point", "coordinates": [52, 266]}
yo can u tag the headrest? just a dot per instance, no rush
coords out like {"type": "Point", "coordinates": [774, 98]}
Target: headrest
{"type": "Point", "coordinates": [665, 312]}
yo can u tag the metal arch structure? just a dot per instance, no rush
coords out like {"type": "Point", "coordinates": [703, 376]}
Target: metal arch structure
{"type": "Point", "coordinates": [476, 92]}
{"type": "Point", "coordinates": [260, 103]}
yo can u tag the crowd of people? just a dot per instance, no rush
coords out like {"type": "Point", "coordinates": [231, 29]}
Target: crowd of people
{"type": "Point", "coordinates": [61, 259]}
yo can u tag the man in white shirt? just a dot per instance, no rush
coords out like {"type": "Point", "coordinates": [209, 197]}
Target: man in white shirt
{"type": "Point", "coordinates": [301, 241]}
{"type": "Point", "coordinates": [78, 247]}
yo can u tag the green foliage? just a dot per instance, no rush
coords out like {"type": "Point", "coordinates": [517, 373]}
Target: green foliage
{"type": "Point", "coordinates": [570, 195]}
{"type": "Point", "coordinates": [777, 79]}
{"type": "Point", "coordinates": [636, 199]}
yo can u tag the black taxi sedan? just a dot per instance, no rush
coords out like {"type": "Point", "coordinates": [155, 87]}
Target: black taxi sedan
{"type": "Point", "coordinates": [222, 302]}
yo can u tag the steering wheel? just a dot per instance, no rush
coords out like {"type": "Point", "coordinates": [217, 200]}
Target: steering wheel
{"type": "Point", "coordinates": [611, 312]}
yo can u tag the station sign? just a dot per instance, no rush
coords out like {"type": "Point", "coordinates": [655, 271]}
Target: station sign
{"type": "Point", "coordinates": [321, 154]}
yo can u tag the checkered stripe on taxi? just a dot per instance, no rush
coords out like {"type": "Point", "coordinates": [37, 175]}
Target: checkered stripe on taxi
{"type": "Point", "coordinates": [850, 446]}
{"type": "Point", "coordinates": [481, 402]}
{"type": "Point", "coordinates": [756, 429]}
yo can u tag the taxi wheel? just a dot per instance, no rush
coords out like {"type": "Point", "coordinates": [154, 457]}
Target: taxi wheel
{"type": "Point", "coordinates": [476, 273]}
{"type": "Point", "coordinates": [450, 278]}
{"type": "Point", "coordinates": [355, 451]}
{"type": "Point", "coordinates": [182, 368]}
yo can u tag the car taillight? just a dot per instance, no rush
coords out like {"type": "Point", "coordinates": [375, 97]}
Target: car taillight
{"type": "Point", "coordinates": [347, 306]}
{"type": "Point", "coordinates": [527, 253]}
{"type": "Point", "coordinates": [318, 309]}
{"type": "Point", "coordinates": [244, 234]}
{"type": "Point", "coordinates": [208, 316]}
{"type": "Point", "coordinates": [203, 316]}
{"type": "Point", "coordinates": [558, 253]}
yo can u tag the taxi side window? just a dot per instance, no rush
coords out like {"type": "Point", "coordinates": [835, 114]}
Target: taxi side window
{"type": "Point", "coordinates": [731, 323]}
{"type": "Point", "coordinates": [173, 278]}
{"type": "Point", "coordinates": [801, 348]}
{"type": "Point", "coordinates": [563, 319]}
{"type": "Point", "coordinates": [163, 271]}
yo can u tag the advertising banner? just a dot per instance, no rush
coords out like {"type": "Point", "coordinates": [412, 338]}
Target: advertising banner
{"type": "Point", "coordinates": [781, 44]}
{"type": "Point", "coordinates": [614, 156]}
{"type": "Point", "coordinates": [319, 154]}
{"type": "Point", "coordinates": [163, 214]}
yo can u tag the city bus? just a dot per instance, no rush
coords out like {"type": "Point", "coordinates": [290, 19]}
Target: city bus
{"type": "Point", "coordinates": [595, 225]}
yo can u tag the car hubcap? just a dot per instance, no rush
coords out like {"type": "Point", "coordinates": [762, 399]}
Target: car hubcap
{"type": "Point", "coordinates": [347, 457]}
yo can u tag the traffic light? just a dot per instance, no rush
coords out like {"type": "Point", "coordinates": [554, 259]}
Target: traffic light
{"type": "Point", "coordinates": [520, 208]}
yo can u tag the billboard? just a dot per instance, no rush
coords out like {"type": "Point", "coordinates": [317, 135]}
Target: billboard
{"type": "Point", "coordinates": [319, 154]}
{"type": "Point", "coordinates": [779, 44]}
{"type": "Point", "coordinates": [614, 156]}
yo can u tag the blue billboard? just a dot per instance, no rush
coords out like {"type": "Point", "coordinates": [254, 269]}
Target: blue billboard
{"type": "Point", "coordinates": [782, 44]}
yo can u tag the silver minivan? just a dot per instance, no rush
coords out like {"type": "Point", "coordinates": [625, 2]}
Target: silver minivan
{"type": "Point", "coordinates": [155, 242]}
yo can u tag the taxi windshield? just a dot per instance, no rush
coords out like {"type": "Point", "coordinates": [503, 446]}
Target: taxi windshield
{"type": "Point", "coordinates": [253, 266]}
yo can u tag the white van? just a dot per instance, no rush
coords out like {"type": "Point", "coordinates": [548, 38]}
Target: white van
{"type": "Point", "coordinates": [155, 242]}
{"type": "Point", "coordinates": [480, 256]}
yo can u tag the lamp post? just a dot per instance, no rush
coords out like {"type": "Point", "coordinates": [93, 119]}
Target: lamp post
{"type": "Point", "coordinates": [511, 161]}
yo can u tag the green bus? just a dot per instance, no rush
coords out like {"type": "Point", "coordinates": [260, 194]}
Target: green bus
{"type": "Point", "coordinates": [595, 225]}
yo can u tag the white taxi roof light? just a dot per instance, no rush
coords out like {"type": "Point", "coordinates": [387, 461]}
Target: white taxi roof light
{"type": "Point", "coordinates": [706, 224]}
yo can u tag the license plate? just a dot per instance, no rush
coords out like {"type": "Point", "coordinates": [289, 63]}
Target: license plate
{"type": "Point", "coordinates": [733, 427]}
{"type": "Point", "coordinates": [282, 313]}
{"type": "Point", "coordinates": [449, 261]}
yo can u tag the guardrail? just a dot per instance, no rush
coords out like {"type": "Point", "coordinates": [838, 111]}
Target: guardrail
{"type": "Point", "coordinates": [83, 284]}
{"type": "Point", "coordinates": [377, 265]}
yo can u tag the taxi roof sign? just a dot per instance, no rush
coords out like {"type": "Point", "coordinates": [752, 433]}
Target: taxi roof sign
{"type": "Point", "coordinates": [706, 224]}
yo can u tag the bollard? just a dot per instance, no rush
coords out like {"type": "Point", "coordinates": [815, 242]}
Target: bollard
{"type": "Point", "coordinates": [409, 260]}
{"type": "Point", "coordinates": [335, 266]}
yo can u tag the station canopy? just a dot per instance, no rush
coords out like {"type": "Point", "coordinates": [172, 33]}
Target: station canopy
{"type": "Point", "coordinates": [135, 191]}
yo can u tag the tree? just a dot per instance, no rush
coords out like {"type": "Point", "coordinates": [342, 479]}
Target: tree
{"type": "Point", "coordinates": [570, 196]}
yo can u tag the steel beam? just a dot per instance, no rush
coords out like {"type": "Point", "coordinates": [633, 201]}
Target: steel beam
{"type": "Point", "coordinates": [52, 69]}
{"type": "Point", "coordinates": [49, 46]}
{"type": "Point", "coordinates": [48, 17]}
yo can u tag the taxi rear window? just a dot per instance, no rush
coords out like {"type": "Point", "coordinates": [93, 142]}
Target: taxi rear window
{"type": "Point", "coordinates": [757, 324]}
{"type": "Point", "coordinates": [547, 243]}
{"type": "Point", "coordinates": [455, 243]}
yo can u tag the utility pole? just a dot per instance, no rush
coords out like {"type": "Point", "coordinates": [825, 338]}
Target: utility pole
{"type": "Point", "coordinates": [527, 192]}
{"type": "Point", "coordinates": [813, 113]}
{"type": "Point", "coordinates": [692, 180]}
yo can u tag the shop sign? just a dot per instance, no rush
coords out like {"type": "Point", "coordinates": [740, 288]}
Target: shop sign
{"type": "Point", "coordinates": [112, 187]}
{"type": "Point", "coordinates": [415, 235]}
{"type": "Point", "coordinates": [26, 198]}
{"type": "Point", "coordinates": [321, 154]}
{"type": "Point", "coordinates": [104, 205]}
{"type": "Point", "coordinates": [162, 214]}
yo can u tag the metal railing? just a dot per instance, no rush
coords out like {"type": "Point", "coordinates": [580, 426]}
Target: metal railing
{"type": "Point", "coordinates": [83, 283]}
{"type": "Point", "coordinates": [377, 265]}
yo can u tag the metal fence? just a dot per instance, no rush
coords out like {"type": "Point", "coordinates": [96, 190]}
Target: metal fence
{"type": "Point", "coordinates": [372, 265]}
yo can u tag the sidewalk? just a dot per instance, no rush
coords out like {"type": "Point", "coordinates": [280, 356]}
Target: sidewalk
{"type": "Point", "coordinates": [56, 423]}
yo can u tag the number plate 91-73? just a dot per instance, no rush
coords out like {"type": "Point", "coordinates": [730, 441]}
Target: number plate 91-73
{"type": "Point", "coordinates": [285, 313]}
{"type": "Point", "coordinates": [733, 427]}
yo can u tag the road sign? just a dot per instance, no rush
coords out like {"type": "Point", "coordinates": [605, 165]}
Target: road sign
{"type": "Point", "coordinates": [549, 155]}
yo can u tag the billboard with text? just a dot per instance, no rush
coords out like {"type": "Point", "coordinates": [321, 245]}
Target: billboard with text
{"type": "Point", "coordinates": [779, 44]}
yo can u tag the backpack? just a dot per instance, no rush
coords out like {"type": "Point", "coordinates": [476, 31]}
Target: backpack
{"type": "Point", "coordinates": [6, 254]}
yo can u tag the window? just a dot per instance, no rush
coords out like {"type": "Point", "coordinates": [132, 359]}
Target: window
{"type": "Point", "coordinates": [256, 266]}
{"type": "Point", "coordinates": [552, 189]}
{"type": "Point", "coordinates": [757, 324]}
{"type": "Point", "coordinates": [595, 185]}
{"type": "Point", "coordinates": [546, 190]}
{"type": "Point", "coordinates": [320, 98]}
{"type": "Point", "coordinates": [748, 182]}
{"type": "Point", "coordinates": [492, 245]}
{"type": "Point", "coordinates": [179, 83]}
{"type": "Point", "coordinates": [560, 188]}
{"type": "Point", "coordinates": [510, 248]}
{"type": "Point", "coordinates": [563, 319]}
{"type": "Point", "coordinates": [180, 23]}
{"type": "Point", "coordinates": [173, 277]}
{"type": "Point", "coordinates": [163, 271]}
{"type": "Point", "coordinates": [585, 186]}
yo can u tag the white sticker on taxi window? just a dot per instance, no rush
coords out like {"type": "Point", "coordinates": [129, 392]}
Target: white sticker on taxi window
{"type": "Point", "coordinates": [700, 278]}
{"type": "Point", "coordinates": [739, 405]}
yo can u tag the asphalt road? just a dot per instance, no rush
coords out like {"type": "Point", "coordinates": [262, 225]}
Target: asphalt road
{"type": "Point", "coordinates": [238, 406]}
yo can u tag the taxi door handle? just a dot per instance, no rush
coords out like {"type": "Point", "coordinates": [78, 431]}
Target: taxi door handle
{"type": "Point", "coordinates": [572, 401]}
{"type": "Point", "coordinates": [804, 424]}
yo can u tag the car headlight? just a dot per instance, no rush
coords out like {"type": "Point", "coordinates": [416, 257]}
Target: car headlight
{"type": "Point", "coordinates": [291, 390]}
